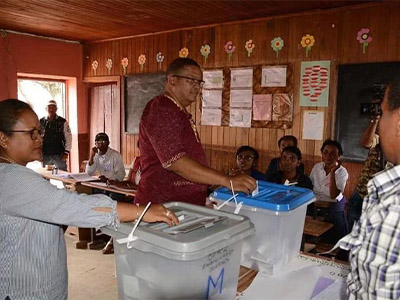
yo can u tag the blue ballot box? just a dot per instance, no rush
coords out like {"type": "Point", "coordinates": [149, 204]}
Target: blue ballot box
{"type": "Point", "coordinates": [278, 214]}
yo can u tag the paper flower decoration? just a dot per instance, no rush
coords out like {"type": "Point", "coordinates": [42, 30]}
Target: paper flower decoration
{"type": "Point", "coordinates": [249, 46]}
{"type": "Point", "coordinates": [124, 63]}
{"type": "Point", "coordinates": [307, 42]}
{"type": "Point", "coordinates": [364, 38]}
{"type": "Point", "coordinates": [141, 60]}
{"type": "Point", "coordinates": [95, 65]}
{"type": "Point", "coordinates": [229, 49]}
{"type": "Point", "coordinates": [205, 51]}
{"type": "Point", "coordinates": [159, 58]}
{"type": "Point", "coordinates": [277, 45]}
{"type": "Point", "coordinates": [109, 65]}
{"type": "Point", "coordinates": [184, 52]}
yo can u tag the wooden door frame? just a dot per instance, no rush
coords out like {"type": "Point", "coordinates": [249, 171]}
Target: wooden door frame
{"type": "Point", "coordinates": [88, 81]}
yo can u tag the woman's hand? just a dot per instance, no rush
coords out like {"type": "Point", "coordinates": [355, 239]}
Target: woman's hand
{"type": "Point", "coordinates": [158, 213]}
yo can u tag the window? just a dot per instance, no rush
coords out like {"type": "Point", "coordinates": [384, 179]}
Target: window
{"type": "Point", "coordinates": [38, 92]}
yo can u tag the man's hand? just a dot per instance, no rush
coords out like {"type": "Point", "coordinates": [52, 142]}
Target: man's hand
{"type": "Point", "coordinates": [242, 183]}
{"type": "Point", "coordinates": [337, 166]}
{"type": "Point", "coordinates": [64, 157]}
{"type": "Point", "coordinates": [94, 151]}
{"type": "Point", "coordinates": [234, 171]}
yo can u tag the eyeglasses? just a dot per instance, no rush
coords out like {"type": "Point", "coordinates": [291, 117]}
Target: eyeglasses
{"type": "Point", "coordinates": [101, 141]}
{"type": "Point", "coordinates": [191, 80]}
{"type": "Point", "coordinates": [245, 157]}
{"type": "Point", "coordinates": [34, 133]}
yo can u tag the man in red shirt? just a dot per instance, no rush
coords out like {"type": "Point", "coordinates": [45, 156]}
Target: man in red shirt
{"type": "Point", "coordinates": [173, 162]}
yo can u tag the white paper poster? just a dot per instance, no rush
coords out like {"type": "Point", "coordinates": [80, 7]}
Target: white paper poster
{"type": "Point", "coordinates": [213, 79]}
{"type": "Point", "coordinates": [211, 116]}
{"type": "Point", "coordinates": [241, 98]}
{"type": "Point", "coordinates": [242, 78]}
{"type": "Point", "coordinates": [262, 107]}
{"type": "Point", "coordinates": [313, 125]}
{"type": "Point", "coordinates": [273, 76]}
{"type": "Point", "coordinates": [240, 117]}
{"type": "Point", "coordinates": [212, 98]}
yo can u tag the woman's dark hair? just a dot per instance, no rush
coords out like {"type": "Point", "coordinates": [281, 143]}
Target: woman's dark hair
{"type": "Point", "coordinates": [333, 143]}
{"type": "Point", "coordinates": [247, 148]}
{"type": "Point", "coordinates": [296, 151]}
{"type": "Point", "coordinates": [288, 138]}
{"type": "Point", "coordinates": [179, 64]}
{"type": "Point", "coordinates": [10, 111]}
{"type": "Point", "coordinates": [394, 94]}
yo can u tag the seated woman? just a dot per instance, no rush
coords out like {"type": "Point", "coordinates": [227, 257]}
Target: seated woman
{"type": "Point", "coordinates": [290, 160]}
{"type": "Point", "coordinates": [329, 178]}
{"type": "Point", "coordinates": [246, 161]}
{"type": "Point", "coordinates": [274, 165]}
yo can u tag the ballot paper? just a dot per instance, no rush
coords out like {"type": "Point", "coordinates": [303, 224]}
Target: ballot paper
{"type": "Point", "coordinates": [82, 177]}
{"type": "Point", "coordinates": [277, 287]}
{"type": "Point", "coordinates": [330, 283]}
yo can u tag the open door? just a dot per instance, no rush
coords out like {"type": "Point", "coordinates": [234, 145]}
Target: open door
{"type": "Point", "coordinates": [105, 113]}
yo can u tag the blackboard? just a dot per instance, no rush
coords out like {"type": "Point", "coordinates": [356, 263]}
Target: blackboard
{"type": "Point", "coordinates": [357, 84]}
{"type": "Point", "coordinates": [139, 90]}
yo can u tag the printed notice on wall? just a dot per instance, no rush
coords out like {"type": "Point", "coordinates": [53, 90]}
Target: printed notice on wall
{"type": "Point", "coordinates": [313, 125]}
{"type": "Point", "coordinates": [211, 116]}
{"type": "Point", "coordinates": [241, 98]}
{"type": "Point", "coordinates": [212, 98]}
{"type": "Point", "coordinates": [242, 78]}
{"type": "Point", "coordinates": [213, 79]}
{"type": "Point", "coordinates": [240, 117]}
{"type": "Point", "coordinates": [262, 106]}
{"type": "Point", "coordinates": [273, 76]}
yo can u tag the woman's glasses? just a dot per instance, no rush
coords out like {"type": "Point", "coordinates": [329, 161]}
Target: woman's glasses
{"type": "Point", "coordinates": [245, 157]}
{"type": "Point", "coordinates": [34, 133]}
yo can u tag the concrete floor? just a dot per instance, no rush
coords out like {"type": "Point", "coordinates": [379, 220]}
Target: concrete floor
{"type": "Point", "coordinates": [91, 274]}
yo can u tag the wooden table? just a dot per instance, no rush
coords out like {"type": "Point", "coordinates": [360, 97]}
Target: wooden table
{"type": "Point", "coordinates": [110, 188]}
{"type": "Point", "coordinates": [315, 228]}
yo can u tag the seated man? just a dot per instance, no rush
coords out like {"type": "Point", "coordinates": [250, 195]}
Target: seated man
{"type": "Point", "coordinates": [105, 161]}
{"type": "Point", "coordinates": [274, 165]}
{"type": "Point", "coordinates": [290, 161]}
{"type": "Point", "coordinates": [246, 162]}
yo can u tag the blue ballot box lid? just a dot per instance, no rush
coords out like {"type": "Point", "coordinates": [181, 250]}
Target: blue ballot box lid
{"type": "Point", "coordinates": [271, 196]}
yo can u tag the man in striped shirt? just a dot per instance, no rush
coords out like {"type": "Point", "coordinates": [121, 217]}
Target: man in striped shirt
{"type": "Point", "coordinates": [374, 243]}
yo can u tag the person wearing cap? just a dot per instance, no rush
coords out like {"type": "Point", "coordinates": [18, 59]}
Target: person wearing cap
{"type": "Point", "coordinates": [106, 161]}
{"type": "Point", "coordinates": [57, 139]}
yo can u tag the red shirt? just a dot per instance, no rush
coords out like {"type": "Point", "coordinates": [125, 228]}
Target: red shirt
{"type": "Point", "coordinates": [166, 135]}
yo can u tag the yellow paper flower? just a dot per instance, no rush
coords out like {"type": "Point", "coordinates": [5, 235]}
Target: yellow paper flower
{"type": "Point", "coordinates": [307, 41]}
{"type": "Point", "coordinates": [142, 59]}
{"type": "Point", "coordinates": [184, 52]}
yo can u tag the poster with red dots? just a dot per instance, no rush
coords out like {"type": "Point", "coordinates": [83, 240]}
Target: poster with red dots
{"type": "Point", "coordinates": [314, 83]}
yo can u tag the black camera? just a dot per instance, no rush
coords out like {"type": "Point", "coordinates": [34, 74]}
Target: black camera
{"type": "Point", "coordinates": [371, 109]}
{"type": "Point", "coordinates": [374, 108]}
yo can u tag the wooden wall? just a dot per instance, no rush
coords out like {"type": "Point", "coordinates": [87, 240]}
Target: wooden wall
{"type": "Point", "coordinates": [335, 33]}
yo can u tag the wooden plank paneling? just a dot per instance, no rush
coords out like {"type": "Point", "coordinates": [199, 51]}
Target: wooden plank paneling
{"type": "Point", "coordinates": [335, 33]}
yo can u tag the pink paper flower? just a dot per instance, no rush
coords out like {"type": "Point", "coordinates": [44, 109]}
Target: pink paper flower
{"type": "Point", "coordinates": [364, 38]}
{"type": "Point", "coordinates": [229, 49]}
